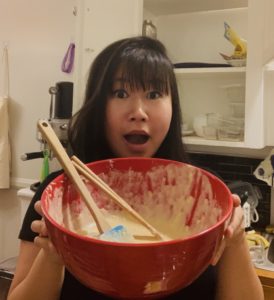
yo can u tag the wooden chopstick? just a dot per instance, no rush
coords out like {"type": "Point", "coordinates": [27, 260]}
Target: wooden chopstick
{"type": "Point", "coordinates": [90, 175]}
{"type": "Point", "coordinates": [50, 136]}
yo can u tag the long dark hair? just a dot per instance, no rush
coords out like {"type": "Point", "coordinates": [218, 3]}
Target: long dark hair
{"type": "Point", "coordinates": [144, 63]}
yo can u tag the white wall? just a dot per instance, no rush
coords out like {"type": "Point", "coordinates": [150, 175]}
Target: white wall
{"type": "Point", "coordinates": [37, 34]}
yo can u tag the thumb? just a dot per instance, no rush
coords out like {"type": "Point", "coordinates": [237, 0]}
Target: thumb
{"type": "Point", "coordinates": [38, 208]}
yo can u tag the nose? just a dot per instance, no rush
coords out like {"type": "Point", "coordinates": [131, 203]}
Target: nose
{"type": "Point", "coordinates": [138, 111]}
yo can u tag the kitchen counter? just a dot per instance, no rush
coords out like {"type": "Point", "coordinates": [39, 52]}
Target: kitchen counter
{"type": "Point", "coordinates": [267, 280]}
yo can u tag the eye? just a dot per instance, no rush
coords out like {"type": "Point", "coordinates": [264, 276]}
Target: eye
{"type": "Point", "coordinates": [120, 93]}
{"type": "Point", "coordinates": [154, 95]}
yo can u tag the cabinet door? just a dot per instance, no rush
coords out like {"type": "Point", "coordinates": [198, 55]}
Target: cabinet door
{"type": "Point", "coordinates": [268, 292]}
{"type": "Point", "coordinates": [101, 22]}
{"type": "Point", "coordinates": [259, 90]}
{"type": "Point", "coordinates": [268, 76]}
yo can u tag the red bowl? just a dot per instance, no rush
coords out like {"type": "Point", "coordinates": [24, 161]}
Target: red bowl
{"type": "Point", "coordinates": [135, 270]}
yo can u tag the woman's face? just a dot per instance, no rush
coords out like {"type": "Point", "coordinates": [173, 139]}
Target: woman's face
{"type": "Point", "coordinates": [137, 121]}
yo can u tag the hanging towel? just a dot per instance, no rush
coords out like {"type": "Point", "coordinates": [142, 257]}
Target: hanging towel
{"type": "Point", "coordinates": [5, 154]}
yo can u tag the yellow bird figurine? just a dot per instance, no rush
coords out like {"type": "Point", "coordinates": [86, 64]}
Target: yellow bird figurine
{"type": "Point", "coordinates": [240, 50]}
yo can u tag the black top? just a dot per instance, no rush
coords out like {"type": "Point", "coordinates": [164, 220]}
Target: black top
{"type": "Point", "coordinates": [203, 288]}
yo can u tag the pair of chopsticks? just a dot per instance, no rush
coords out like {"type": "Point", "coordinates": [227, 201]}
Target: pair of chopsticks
{"type": "Point", "coordinates": [72, 167]}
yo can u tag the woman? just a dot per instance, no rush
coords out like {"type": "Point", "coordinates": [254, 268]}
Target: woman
{"type": "Point", "coordinates": [131, 108]}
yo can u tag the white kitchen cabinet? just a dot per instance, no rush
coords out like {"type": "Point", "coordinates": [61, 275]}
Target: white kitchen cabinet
{"type": "Point", "coordinates": [269, 101]}
{"type": "Point", "coordinates": [100, 22]}
{"type": "Point", "coordinates": [193, 31]}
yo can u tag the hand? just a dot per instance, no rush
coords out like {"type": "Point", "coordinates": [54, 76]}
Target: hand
{"type": "Point", "coordinates": [234, 233]}
{"type": "Point", "coordinates": [42, 240]}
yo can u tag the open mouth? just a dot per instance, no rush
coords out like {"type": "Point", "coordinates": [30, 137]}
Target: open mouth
{"type": "Point", "coordinates": [137, 139]}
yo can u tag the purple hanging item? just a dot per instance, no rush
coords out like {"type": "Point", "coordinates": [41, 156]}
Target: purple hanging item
{"type": "Point", "coordinates": [68, 60]}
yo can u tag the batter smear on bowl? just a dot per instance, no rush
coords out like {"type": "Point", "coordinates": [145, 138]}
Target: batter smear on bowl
{"type": "Point", "coordinates": [164, 196]}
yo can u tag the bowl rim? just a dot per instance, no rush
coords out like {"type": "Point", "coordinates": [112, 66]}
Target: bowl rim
{"type": "Point", "coordinates": [61, 176]}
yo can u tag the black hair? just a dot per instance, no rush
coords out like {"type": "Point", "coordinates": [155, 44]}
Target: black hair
{"type": "Point", "coordinates": [143, 62]}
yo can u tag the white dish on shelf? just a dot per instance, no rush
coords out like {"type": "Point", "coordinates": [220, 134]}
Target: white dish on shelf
{"type": "Point", "coordinates": [237, 62]}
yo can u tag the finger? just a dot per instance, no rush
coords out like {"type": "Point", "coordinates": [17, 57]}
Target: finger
{"type": "Point", "coordinates": [235, 222]}
{"type": "Point", "coordinates": [236, 203]}
{"type": "Point", "coordinates": [48, 247]}
{"type": "Point", "coordinates": [236, 228]}
{"type": "Point", "coordinates": [39, 227]}
{"type": "Point", "coordinates": [38, 208]}
{"type": "Point", "coordinates": [236, 200]}
{"type": "Point", "coordinates": [227, 231]}
{"type": "Point", "coordinates": [45, 243]}
{"type": "Point", "coordinates": [238, 218]}
{"type": "Point", "coordinates": [219, 252]}
{"type": "Point", "coordinates": [230, 228]}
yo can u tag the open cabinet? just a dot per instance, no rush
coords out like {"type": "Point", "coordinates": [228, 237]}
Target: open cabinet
{"type": "Point", "coordinates": [193, 31]}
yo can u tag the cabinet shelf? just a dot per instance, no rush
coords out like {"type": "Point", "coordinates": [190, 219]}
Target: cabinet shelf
{"type": "Point", "coordinates": [195, 140]}
{"type": "Point", "coordinates": [208, 72]}
{"type": "Point", "coordinates": [164, 7]}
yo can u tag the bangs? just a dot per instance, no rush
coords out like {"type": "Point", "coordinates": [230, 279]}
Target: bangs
{"type": "Point", "coordinates": [145, 72]}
